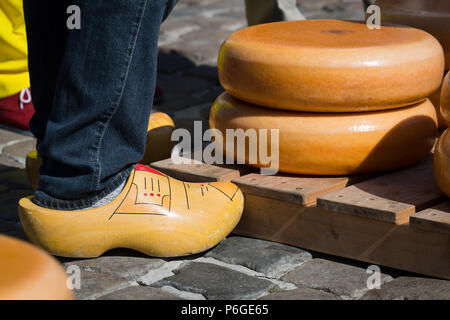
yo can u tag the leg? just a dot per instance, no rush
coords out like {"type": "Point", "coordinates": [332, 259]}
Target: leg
{"type": "Point", "coordinates": [92, 115]}
{"type": "Point", "coordinates": [95, 133]}
{"type": "Point", "coordinates": [46, 35]}
{"type": "Point", "coordinates": [264, 11]}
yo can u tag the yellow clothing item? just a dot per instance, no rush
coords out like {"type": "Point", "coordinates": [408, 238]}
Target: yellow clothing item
{"type": "Point", "coordinates": [13, 49]}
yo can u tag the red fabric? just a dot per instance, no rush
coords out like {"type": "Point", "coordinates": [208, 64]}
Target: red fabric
{"type": "Point", "coordinates": [11, 114]}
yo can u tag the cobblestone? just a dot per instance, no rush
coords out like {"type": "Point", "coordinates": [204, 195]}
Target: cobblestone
{"type": "Point", "coordinates": [140, 293]}
{"type": "Point", "coordinates": [270, 258]}
{"type": "Point", "coordinates": [301, 294]}
{"type": "Point", "coordinates": [13, 186]}
{"type": "Point", "coordinates": [411, 288]}
{"type": "Point", "coordinates": [216, 282]}
{"type": "Point", "coordinates": [14, 147]}
{"type": "Point", "coordinates": [344, 280]}
{"type": "Point", "coordinates": [18, 151]}
{"type": "Point", "coordinates": [95, 284]}
{"type": "Point", "coordinates": [129, 268]}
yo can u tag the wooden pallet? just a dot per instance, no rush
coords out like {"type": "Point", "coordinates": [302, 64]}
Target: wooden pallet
{"type": "Point", "coordinates": [398, 219]}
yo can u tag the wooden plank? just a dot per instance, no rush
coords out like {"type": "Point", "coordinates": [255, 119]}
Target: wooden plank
{"type": "Point", "coordinates": [303, 190]}
{"type": "Point", "coordinates": [243, 169]}
{"type": "Point", "coordinates": [195, 171]}
{"type": "Point", "coordinates": [436, 219]}
{"type": "Point", "coordinates": [344, 235]}
{"type": "Point", "coordinates": [392, 197]}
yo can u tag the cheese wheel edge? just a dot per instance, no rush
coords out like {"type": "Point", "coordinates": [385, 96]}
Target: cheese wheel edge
{"type": "Point", "coordinates": [336, 144]}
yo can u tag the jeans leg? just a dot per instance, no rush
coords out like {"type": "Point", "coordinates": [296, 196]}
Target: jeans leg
{"type": "Point", "coordinates": [102, 100]}
{"type": "Point", "coordinates": [264, 11]}
{"type": "Point", "coordinates": [46, 36]}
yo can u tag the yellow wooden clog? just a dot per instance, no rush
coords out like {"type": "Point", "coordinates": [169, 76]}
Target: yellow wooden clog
{"type": "Point", "coordinates": [154, 214]}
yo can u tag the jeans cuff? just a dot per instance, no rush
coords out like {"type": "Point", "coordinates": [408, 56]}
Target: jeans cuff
{"type": "Point", "coordinates": [44, 200]}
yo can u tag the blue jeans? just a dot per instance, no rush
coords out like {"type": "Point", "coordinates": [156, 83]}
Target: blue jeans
{"type": "Point", "coordinates": [92, 89]}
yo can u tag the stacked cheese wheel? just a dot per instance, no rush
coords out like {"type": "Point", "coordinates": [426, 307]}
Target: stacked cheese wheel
{"type": "Point", "coordinates": [432, 16]}
{"type": "Point", "coordinates": [442, 151]}
{"type": "Point", "coordinates": [346, 99]}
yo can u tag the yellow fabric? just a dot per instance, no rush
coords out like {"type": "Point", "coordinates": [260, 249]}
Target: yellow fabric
{"type": "Point", "coordinates": [13, 48]}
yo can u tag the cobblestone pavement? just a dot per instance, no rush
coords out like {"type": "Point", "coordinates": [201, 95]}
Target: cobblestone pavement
{"type": "Point", "coordinates": [238, 268]}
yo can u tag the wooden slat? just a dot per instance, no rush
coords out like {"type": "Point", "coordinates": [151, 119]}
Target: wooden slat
{"type": "Point", "coordinates": [344, 235]}
{"type": "Point", "coordinates": [195, 172]}
{"type": "Point", "coordinates": [436, 219]}
{"type": "Point", "coordinates": [243, 169]}
{"type": "Point", "coordinates": [392, 197]}
{"type": "Point", "coordinates": [295, 189]}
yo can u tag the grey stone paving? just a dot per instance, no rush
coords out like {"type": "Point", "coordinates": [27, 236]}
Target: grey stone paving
{"type": "Point", "coordinates": [13, 186]}
{"type": "Point", "coordinates": [411, 288]}
{"type": "Point", "coordinates": [140, 293]}
{"type": "Point", "coordinates": [95, 284]}
{"type": "Point", "coordinates": [130, 268]}
{"type": "Point", "coordinates": [209, 280]}
{"type": "Point", "coordinates": [238, 268]}
{"type": "Point", "coordinates": [271, 259]}
{"type": "Point", "coordinates": [341, 279]}
{"type": "Point", "coordinates": [301, 294]}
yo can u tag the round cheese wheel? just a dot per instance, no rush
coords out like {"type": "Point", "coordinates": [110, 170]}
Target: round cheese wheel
{"type": "Point", "coordinates": [330, 66]}
{"type": "Point", "coordinates": [445, 99]}
{"type": "Point", "coordinates": [442, 162]}
{"type": "Point", "coordinates": [435, 99]}
{"type": "Point", "coordinates": [432, 16]}
{"type": "Point", "coordinates": [29, 273]}
{"type": "Point", "coordinates": [329, 143]}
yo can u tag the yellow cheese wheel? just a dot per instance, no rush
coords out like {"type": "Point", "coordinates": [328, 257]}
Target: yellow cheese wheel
{"type": "Point", "coordinates": [330, 66]}
{"type": "Point", "coordinates": [333, 143]}
{"type": "Point", "coordinates": [442, 163]}
{"type": "Point", "coordinates": [435, 99]}
{"type": "Point", "coordinates": [432, 16]}
{"type": "Point", "coordinates": [445, 99]}
{"type": "Point", "coordinates": [27, 272]}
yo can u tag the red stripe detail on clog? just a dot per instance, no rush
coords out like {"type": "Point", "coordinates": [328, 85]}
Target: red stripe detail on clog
{"type": "Point", "coordinates": [141, 167]}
